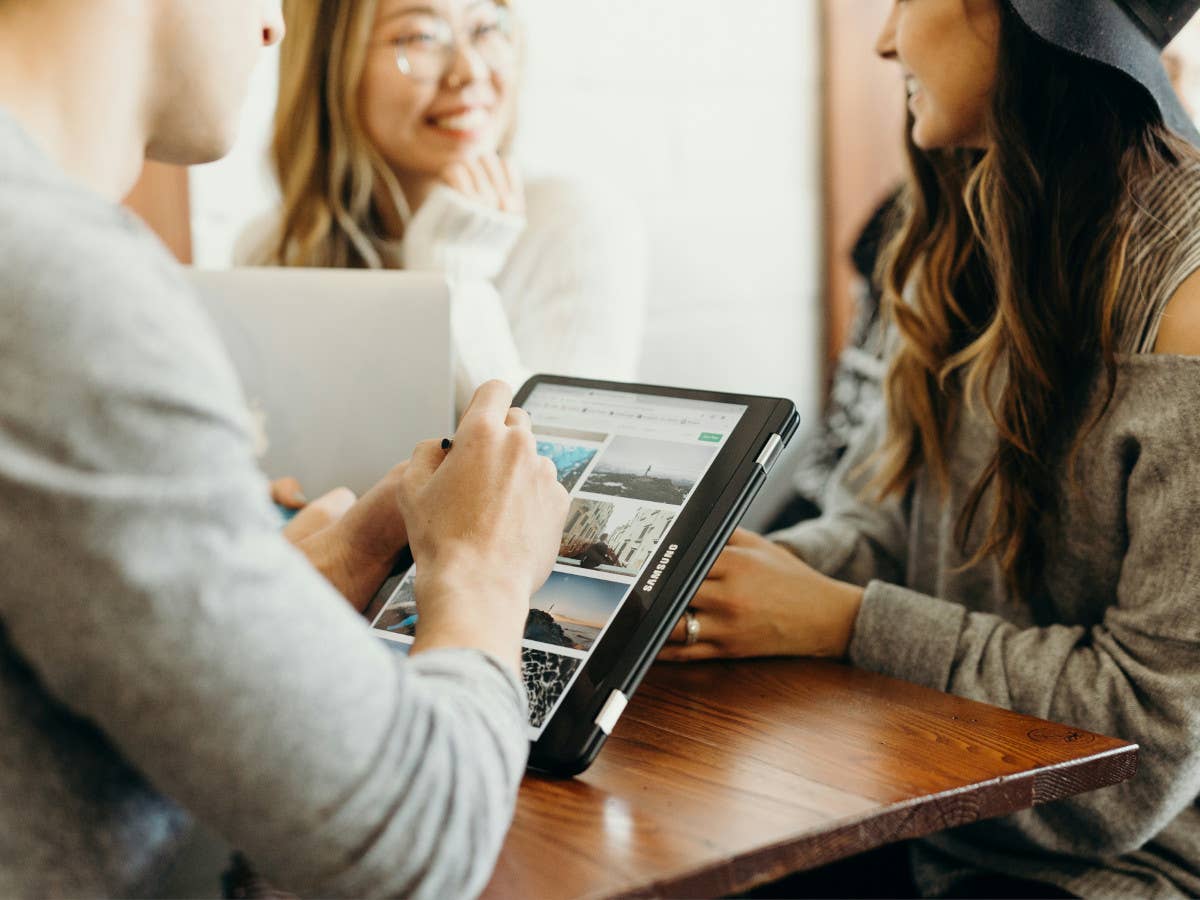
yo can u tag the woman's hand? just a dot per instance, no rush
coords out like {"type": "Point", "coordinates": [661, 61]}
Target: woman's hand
{"type": "Point", "coordinates": [760, 600]}
{"type": "Point", "coordinates": [488, 179]}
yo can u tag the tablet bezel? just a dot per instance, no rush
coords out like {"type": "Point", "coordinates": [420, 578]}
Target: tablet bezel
{"type": "Point", "coordinates": [571, 740]}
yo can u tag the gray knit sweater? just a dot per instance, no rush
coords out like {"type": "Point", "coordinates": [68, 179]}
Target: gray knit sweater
{"type": "Point", "coordinates": [1112, 644]}
{"type": "Point", "coordinates": [164, 653]}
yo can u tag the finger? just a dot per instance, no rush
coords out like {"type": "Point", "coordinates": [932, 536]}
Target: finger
{"type": "Point", "coordinates": [463, 180]}
{"type": "Point", "coordinates": [493, 169]}
{"type": "Point", "coordinates": [459, 178]}
{"type": "Point", "coordinates": [516, 184]}
{"type": "Point", "coordinates": [319, 514]}
{"type": "Point", "coordinates": [485, 192]}
{"type": "Point", "coordinates": [427, 456]}
{"type": "Point", "coordinates": [300, 527]}
{"type": "Point", "coordinates": [725, 563]}
{"type": "Point", "coordinates": [679, 632]}
{"type": "Point", "coordinates": [518, 418]}
{"type": "Point", "coordinates": [743, 538]}
{"type": "Point", "coordinates": [695, 653]}
{"type": "Point", "coordinates": [334, 504]}
{"type": "Point", "coordinates": [287, 492]}
{"type": "Point", "coordinates": [490, 403]}
{"type": "Point", "coordinates": [550, 472]}
{"type": "Point", "coordinates": [710, 595]}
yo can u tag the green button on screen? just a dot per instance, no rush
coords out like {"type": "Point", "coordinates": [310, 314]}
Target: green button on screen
{"type": "Point", "coordinates": [711, 438]}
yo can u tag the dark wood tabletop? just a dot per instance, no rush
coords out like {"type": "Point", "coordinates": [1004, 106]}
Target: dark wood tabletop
{"type": "Point", "coordinates": [722, 776]}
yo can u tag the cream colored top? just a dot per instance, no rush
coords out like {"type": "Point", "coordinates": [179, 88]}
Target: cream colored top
{"type": "Point", "coordinates": [560, 290]}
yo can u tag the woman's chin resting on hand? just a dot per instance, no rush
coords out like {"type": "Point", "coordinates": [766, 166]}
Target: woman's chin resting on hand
{"type": "Point", "coordinates": [761, 600]}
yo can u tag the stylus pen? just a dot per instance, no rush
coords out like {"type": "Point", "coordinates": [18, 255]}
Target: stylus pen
{"type": "Point", "coordinates": [447, 443]}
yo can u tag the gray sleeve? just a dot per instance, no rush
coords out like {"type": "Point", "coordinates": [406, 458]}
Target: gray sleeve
{"type": "Point", "coordinates": [148, 588]}
{"type": "Point", "coordinates": [1135, 674]}
{"type": "Point", "coordinates": [857, 538]}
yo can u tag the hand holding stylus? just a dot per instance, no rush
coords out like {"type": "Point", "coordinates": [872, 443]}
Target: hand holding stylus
{"type": "Point", "coordinates": [484, 524]}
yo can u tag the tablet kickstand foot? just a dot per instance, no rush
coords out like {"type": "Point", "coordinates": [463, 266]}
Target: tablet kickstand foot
{"type": "Point", "coordinates": [611, 711]}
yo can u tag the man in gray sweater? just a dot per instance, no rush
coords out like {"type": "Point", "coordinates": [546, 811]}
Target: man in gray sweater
{"type": "Point", "coordinates": [165, 654]}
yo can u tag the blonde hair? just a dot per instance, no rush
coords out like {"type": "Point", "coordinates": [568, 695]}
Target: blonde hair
{"type": "Point", "coordinates": [331, 176]}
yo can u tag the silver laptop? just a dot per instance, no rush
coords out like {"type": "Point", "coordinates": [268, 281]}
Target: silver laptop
{"type": "Point", "coordinates": [345, 370]}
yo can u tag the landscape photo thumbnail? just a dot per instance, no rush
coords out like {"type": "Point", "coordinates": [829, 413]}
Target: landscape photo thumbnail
{"type": "Point", "coordinates": [651, 470]}
{"type": "Point", "coordinates": [570, 460]}
{"type": "Point", "coordinates": [571, 610]}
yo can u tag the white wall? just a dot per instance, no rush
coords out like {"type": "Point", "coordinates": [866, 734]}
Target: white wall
{"type": "Point", "coordinates": [228, 194]}
{"type": "Point", "coordinates": [705, 113]}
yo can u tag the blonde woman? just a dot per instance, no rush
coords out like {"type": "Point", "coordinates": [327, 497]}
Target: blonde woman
{"type": "Point", "coordinates": [390, 143]}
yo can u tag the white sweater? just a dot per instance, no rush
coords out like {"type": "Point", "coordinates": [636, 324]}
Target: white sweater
{"type": "Point", "coordinates": [561, 290]}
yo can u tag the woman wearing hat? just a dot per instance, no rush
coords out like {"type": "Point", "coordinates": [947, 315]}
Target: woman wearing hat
{"type": "Point", "coordinates": [1022, 527]}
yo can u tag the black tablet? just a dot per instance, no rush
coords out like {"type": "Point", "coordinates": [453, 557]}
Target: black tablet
{"type": "Point", "coordinates": [658, 479]}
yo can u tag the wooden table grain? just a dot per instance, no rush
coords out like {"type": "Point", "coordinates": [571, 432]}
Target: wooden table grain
{"type": "Point", "coordinates": [722, 776]}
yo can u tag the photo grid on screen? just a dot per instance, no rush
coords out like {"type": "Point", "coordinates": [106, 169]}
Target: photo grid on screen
{"type": "Point", "coordinates": [630, 463]}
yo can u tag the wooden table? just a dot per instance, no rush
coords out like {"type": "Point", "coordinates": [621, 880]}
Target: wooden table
{"type": "Point", "coordinates": [722, 776]}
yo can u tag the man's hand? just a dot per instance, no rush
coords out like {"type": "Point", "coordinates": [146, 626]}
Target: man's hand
{"type": "Point", "coordinates": [357, 549]}
{"type": "Point", "coordinates": [288, 493]}
{"type": "Point", "coordinates": [484, 524]}
{"type": "Point", "coordinates": [318, 515]}
{"type": "Point", "coordinates": [352, 542]}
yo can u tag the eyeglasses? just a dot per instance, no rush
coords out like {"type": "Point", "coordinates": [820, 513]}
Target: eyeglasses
{"type": "Point", "coordinates": [427, 47]}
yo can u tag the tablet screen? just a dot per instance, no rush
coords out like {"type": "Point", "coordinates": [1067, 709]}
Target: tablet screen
{"type": "Point", "coordinates": [631, 463]}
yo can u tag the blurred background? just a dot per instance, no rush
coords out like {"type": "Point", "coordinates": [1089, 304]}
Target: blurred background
{"type": "Point", "coordinates": [750, 140]}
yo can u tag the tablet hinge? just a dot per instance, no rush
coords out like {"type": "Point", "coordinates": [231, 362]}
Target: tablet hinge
{"type": "Point", "coordinates": [770, 453]}
{"type": "Point", "coordinates": [613, 707]}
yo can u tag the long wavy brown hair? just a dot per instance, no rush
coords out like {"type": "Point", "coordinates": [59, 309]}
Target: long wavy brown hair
{"type": "Point", "coordinates": [332, 179]}
{"type": "Point", "coordinates": [1004, 283]}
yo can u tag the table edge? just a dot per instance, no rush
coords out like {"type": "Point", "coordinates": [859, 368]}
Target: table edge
{"type": "Point", "coordinates": [905, 819]}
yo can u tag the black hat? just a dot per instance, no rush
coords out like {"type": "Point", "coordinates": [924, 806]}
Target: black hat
{"type": "Point", "coordinates": [1128, 35]}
